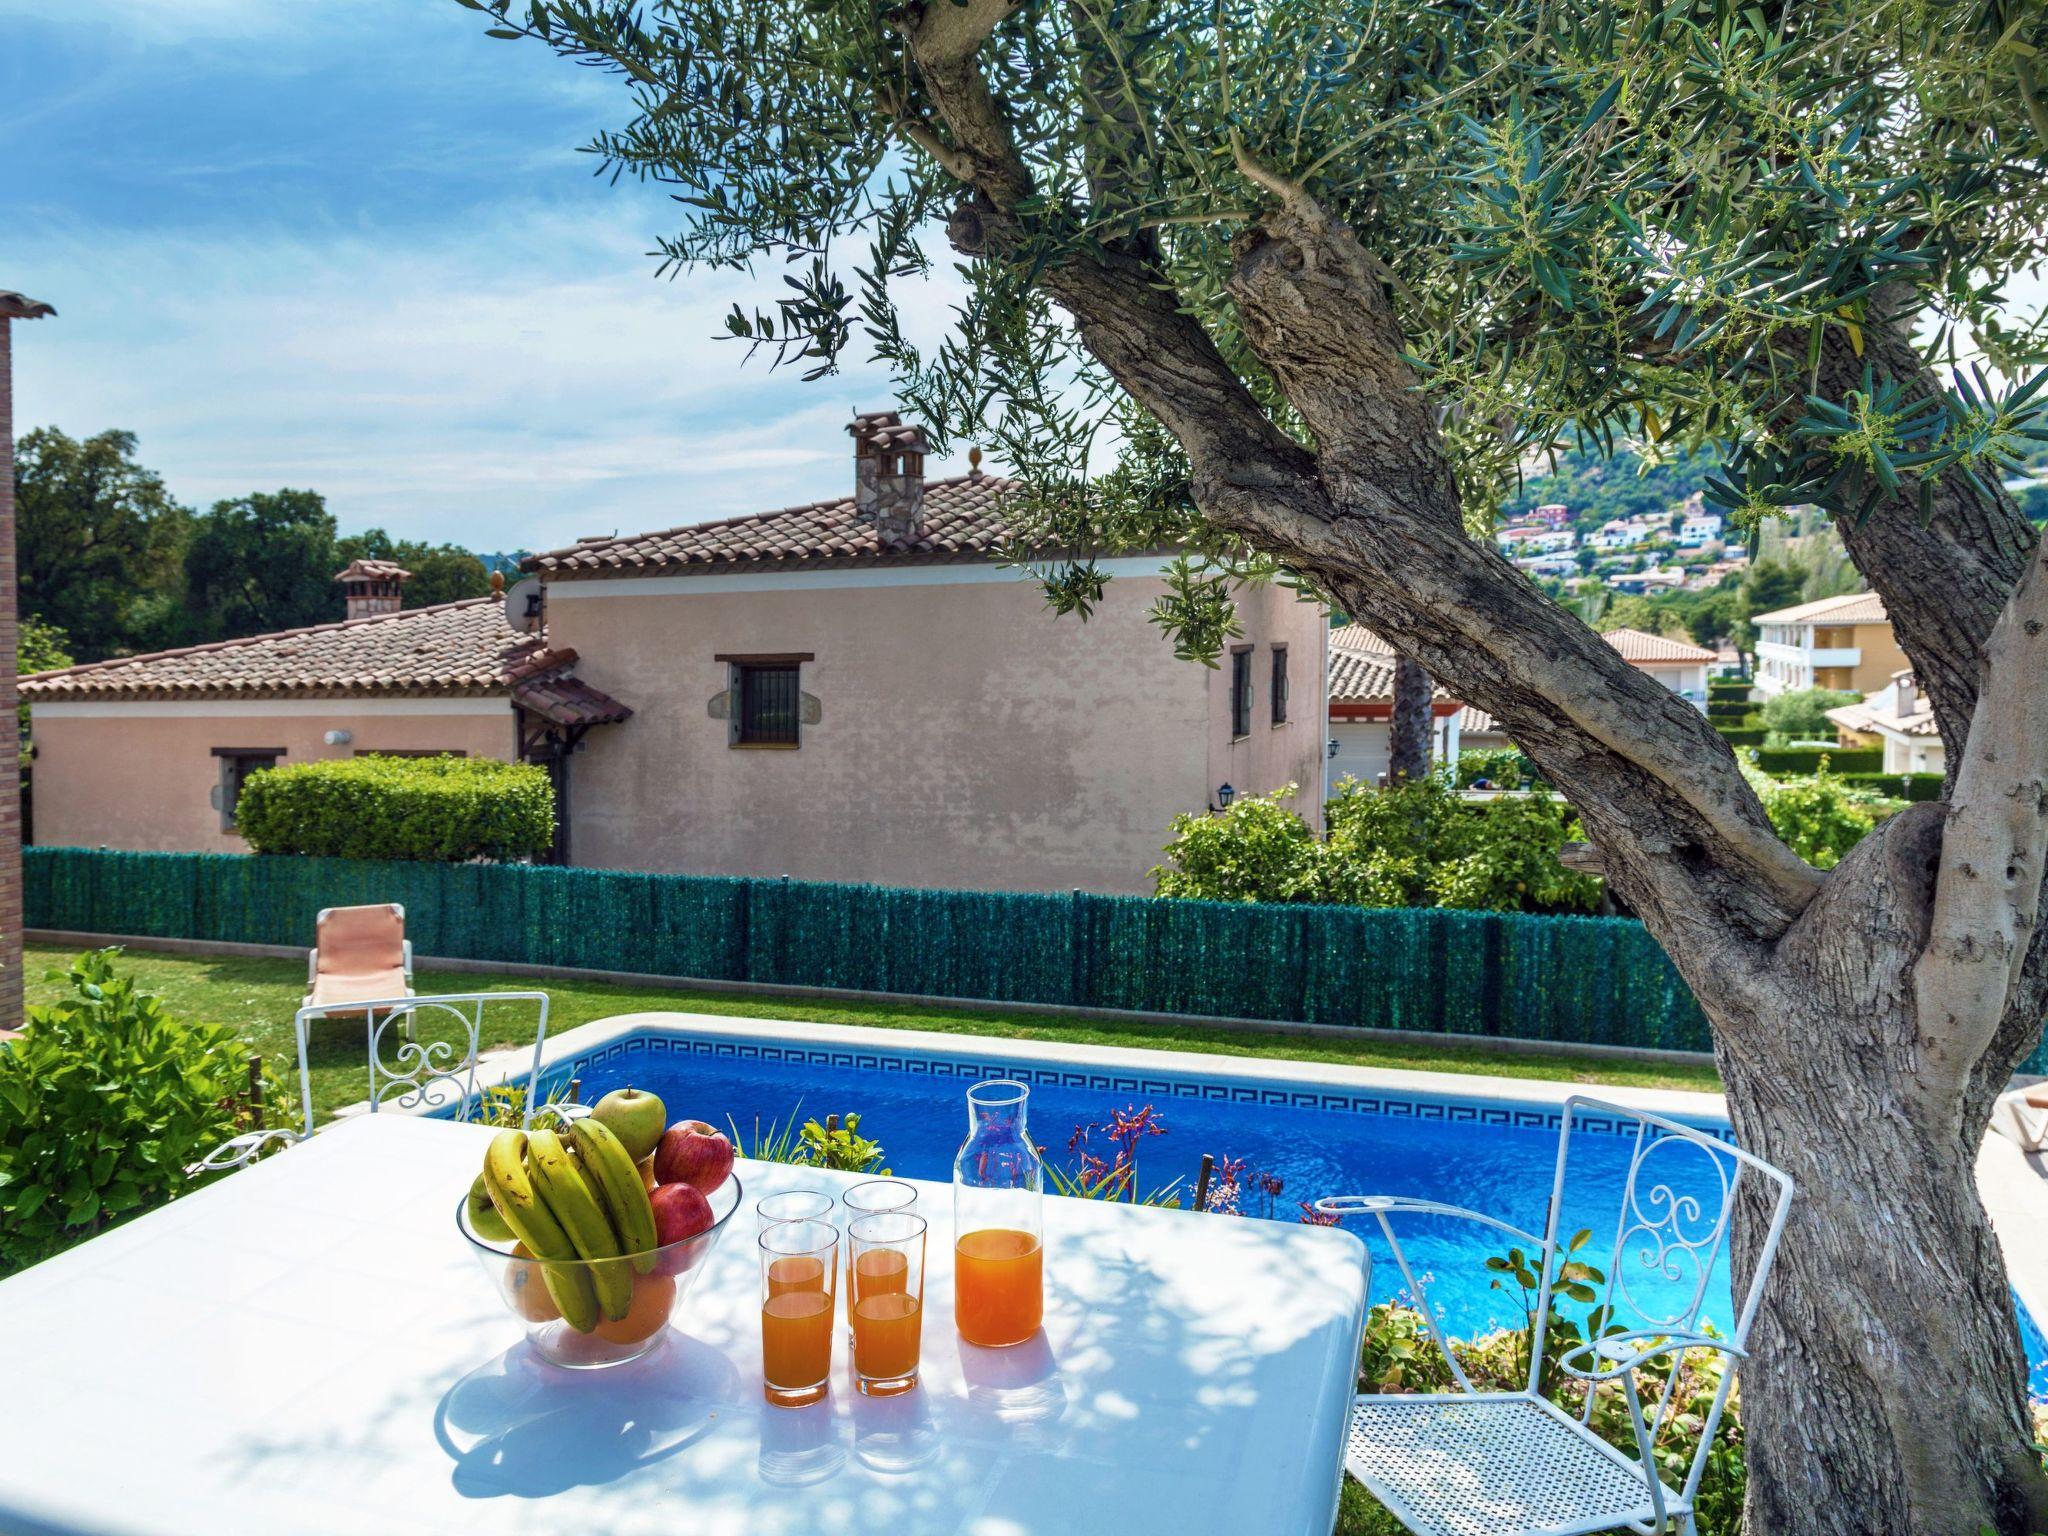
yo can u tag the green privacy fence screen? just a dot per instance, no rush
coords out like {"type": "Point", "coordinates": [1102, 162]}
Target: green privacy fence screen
{"type": "Point", "coordinates": [1587, 980]}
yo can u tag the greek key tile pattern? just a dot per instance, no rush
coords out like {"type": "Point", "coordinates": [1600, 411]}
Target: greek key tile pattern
{"type": "Point", "coordinates": [1117, 1085]}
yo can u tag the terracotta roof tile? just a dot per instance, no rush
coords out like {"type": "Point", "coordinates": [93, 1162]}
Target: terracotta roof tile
{"type": "Point", "coordinates": [1640, 645]}
{"type": "Point", "coordinates": [962, 520]}
{"type": "Point", "coordinates": [1850, 608]}
{"type": "Point", "coordinates": [452, 649]}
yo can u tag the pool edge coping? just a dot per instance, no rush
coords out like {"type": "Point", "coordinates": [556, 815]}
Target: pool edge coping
{"type": "Point", "coordinates": [1544, 1093]}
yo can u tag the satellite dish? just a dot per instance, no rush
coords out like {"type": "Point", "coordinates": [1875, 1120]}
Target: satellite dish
{"type": "Point", "coordinates": [522, 605]}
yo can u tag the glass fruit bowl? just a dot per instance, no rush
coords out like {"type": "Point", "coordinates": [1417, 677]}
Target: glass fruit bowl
{"type": "Point", "coordinates": [651, 1285]}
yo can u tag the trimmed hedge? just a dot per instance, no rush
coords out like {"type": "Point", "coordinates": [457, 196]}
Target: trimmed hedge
{"type": "Point", "coordinates": [1900, 786]}
{"type": "Point", "coordinates": [1728, 709]}
{"type": "Point", "coordinates": [1583, 979]}
{"type": "Point", "coordinates": [1728, 687]}
{"type": "Point", "coordinates": [1841, 760]}
{"type": "Point", "coordinates": [1743, 735]}
{"type": "Point", "coordinates": [440, 808]}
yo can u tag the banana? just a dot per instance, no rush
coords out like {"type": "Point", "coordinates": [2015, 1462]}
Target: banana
{"type": "Point", "coordinates": [619, 1186]}
{"type": "Point", "coordinates": [570, 1200]}
{"type": "Point", "coordinates": [518, 1201]}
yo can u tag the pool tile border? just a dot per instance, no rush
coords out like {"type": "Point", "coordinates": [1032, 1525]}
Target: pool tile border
{"type": "Point", "coordinates": [1507, 1103]}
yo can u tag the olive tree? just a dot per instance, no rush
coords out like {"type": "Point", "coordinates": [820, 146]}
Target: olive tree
{"type": "Point", "coordinates": [1326, 273]}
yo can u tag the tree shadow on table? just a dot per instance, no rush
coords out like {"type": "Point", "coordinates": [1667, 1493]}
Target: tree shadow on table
{"type": "Point", "coordinates": [519, 1427]}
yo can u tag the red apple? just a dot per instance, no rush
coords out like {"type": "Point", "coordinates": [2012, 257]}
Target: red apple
{"type": "Point", "coordinates": [691, 1152]}
{"type": "Point", "coordinates": [680, 1211]}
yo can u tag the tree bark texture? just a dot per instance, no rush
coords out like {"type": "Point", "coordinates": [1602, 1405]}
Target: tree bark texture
{"type": "Point", "coordinates": [1885, 1396]}
{"type": "Point", "coordinates": [1408, 727]}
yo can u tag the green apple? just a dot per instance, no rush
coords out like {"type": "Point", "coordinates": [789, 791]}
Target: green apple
{"type": "Point", "coordinates": [636, 1117]}
{"type": "Point", "coordinates": [484, 1219]}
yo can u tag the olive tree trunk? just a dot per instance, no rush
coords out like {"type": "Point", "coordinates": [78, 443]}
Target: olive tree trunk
{"type": "Point", "coordinates": [1408, 727]}
{"type": "Point", "coordinates": [1863, 1019]}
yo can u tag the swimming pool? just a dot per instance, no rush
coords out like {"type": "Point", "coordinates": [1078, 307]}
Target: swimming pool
{"type": "Point", "coordinates": [1349, 1134]}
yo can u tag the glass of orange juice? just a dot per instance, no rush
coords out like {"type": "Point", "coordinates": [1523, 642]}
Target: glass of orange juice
{"type": "Point", "coordinates": [867, 1199]}
{"type": "Point", "coordinates": [885, 1300]}
{"type": "Point", "coordinates": [799, 1277]}
{"type": "Point", "coordinates": [998, 1220]}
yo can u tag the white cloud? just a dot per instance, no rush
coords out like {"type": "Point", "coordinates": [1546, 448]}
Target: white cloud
{"type": "Point", "coordinates": [520, 381]}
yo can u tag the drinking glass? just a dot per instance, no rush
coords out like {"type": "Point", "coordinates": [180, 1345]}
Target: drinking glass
{"type": "Point", "coordinates": [799, 1277]}
{"type": "Point", "coordinates": [886, 1300]}
{"type": "Point", "coordinates": [866, 1199]}
{"type": "Point", "coordinates": [792, 1205]}
{"type": "Point", "coordinates": [998, 1220]}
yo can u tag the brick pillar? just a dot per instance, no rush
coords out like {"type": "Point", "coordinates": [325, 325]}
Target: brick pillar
{"type": "Point", "coordinates": [10, 755]}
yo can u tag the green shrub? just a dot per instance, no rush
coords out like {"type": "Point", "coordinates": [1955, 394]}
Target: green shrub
{"type": "Point", "coordinates": [1742, 735]}
{"type": "Point", "coordinates": [1410, 845]}
{"type": "Point", "coordinates": [1728, 687]}
{"type": "Point", "coordinates": [1504, 766]}
{"type": "Point", "coordinates": [1898, 786]}
{"type": "Point", "coordinates": [103, 1101]}
{"type": "Point", "coordinates": [449, 809]}
{"type": "Point", "coordinates": [1802, 715]}
{"type": "Point", "coordinates": [1843, 760]}
{"type": "Point", "coordinates": [1821, 818]}
{"type": "Point", "coordinates": [1727, 709]}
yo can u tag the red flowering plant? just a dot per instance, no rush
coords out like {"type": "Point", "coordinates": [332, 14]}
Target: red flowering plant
{"type": "Point", "coordinates": [1114, 1176]}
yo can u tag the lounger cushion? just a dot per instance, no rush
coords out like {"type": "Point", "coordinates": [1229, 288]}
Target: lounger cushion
{"type": "Point", "coordinates": [328, 990]}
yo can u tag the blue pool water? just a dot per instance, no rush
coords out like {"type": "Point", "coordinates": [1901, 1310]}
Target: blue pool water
{"type": "Point", "coordinates": [1497, 1159]}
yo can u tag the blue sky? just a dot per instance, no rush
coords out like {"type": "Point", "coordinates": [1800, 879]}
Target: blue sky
{"type": "Point", "coordinates": [352, 245]}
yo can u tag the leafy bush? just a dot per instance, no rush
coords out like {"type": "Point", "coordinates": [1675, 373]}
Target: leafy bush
{"type": "Point", "coordinates": [1410, 845]}
{"type": "Point", "coordinates": [1802, 714]}
{"type": "Point", "coordinates": [1810, 759]}
{"type": "Point", "coordinates": [449, 809]}
{"type": "Point", "coordinates": [1503, 766]}
{"type": "Point", "coordinates": [838, 1145]}
{"type": "Point", "coordinates": [1257, 850]}
{"type": "Point", "coordinates": [103, 1101]}
{"type": "Point", "coordinates": [1822, 818]}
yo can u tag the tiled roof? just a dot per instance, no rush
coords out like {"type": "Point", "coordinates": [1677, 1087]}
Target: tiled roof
{"type": "Point", "coordinates": [1640, 645]}
{"type": "Point", "coordinates": [962, 521]}
{"type": "Point", "coordinates": [1877, 712]}
{"type": "Point", "coordinates": [452, 649]}
{"type": "Point", "coordinates": [1362, 667]}
{"type": "Point", "coordinates": [19, 306]}
{"type": "Point", "coordinates": [886, 431]}
{"type": "Point", "coordinates": [1356, 637]}
{"type": "Point", "coordinates": [1850, 608]}
{"type": "Point", "coordinates": [373, 570]}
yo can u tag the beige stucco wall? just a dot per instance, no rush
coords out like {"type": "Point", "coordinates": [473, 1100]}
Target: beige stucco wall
{"type": "Point", "coordinates": [967, 737]}
{"type": "Point", "coordinates": [1880, 659]}
{"type": "Point", "coordinates": [141, 775]}
{"type": "Point", "coordinates": [1269, 755]}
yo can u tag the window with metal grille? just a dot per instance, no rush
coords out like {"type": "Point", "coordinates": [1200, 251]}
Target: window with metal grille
{"type": "Point", "coordinates": [766, 703]}
{"type": "Point", "coordinates": [236, 764]}
{"type": "Point", "coordinates": [1241, 692]}
{"type": "Point", "coordinates": [1279, 688]}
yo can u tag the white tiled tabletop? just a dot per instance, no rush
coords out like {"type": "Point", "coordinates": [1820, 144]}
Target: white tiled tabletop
{"type": "Point", "coordinates": [307, 1346]}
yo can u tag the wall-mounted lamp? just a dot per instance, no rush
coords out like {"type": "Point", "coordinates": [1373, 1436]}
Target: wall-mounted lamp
{"type": "Point", "coordinates": [339, 738]}
{"type": "Point", "coordinates": [1224, 795]}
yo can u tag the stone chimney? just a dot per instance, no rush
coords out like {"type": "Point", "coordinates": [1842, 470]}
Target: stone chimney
{"type": "Point", "coordinates": [372, 587]}
{"type": "Point", "coordinates": [1905, 694]}
{"type": "Point", "coordinates": [888, 476]}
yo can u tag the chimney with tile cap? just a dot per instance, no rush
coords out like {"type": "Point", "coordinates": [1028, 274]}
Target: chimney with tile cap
{"type": "Point", "coordinates": [372, 587]}
{"type": "Point", "coordinates": [888, 476]}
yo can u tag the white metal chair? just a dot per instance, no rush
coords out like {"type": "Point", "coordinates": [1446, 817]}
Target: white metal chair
{"type": "Point", "coordinates": [419, 1076]}
{"type": "Point", "coordinates": [1470, 1463]}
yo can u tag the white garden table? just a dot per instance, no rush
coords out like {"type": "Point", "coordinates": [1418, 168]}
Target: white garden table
{"type": "Point", "coordinates": [307, 1346]}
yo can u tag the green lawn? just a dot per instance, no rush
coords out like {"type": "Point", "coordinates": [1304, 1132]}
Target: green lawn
{"type": "Point", "coordinates": [259, 997]}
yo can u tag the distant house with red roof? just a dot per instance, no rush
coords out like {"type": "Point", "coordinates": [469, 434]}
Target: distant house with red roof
{"type": "Point", "coordinates": [854, 689]}
{"type": "Point", "coordinates": [1362, 698]}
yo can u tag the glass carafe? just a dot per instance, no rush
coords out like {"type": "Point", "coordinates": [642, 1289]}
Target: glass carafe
{"type": "Point", "coordinates": [998, 1220]}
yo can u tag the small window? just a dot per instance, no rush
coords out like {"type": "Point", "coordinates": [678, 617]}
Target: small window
{"type": "Point", "coordinates": [1241, 692]}
{"type": "Point", "coordinates": [766, 703]}
{"type": "Point", "coordinates": [1279, 688]}
{"type": "Point", "coordinates": [236, 764]}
